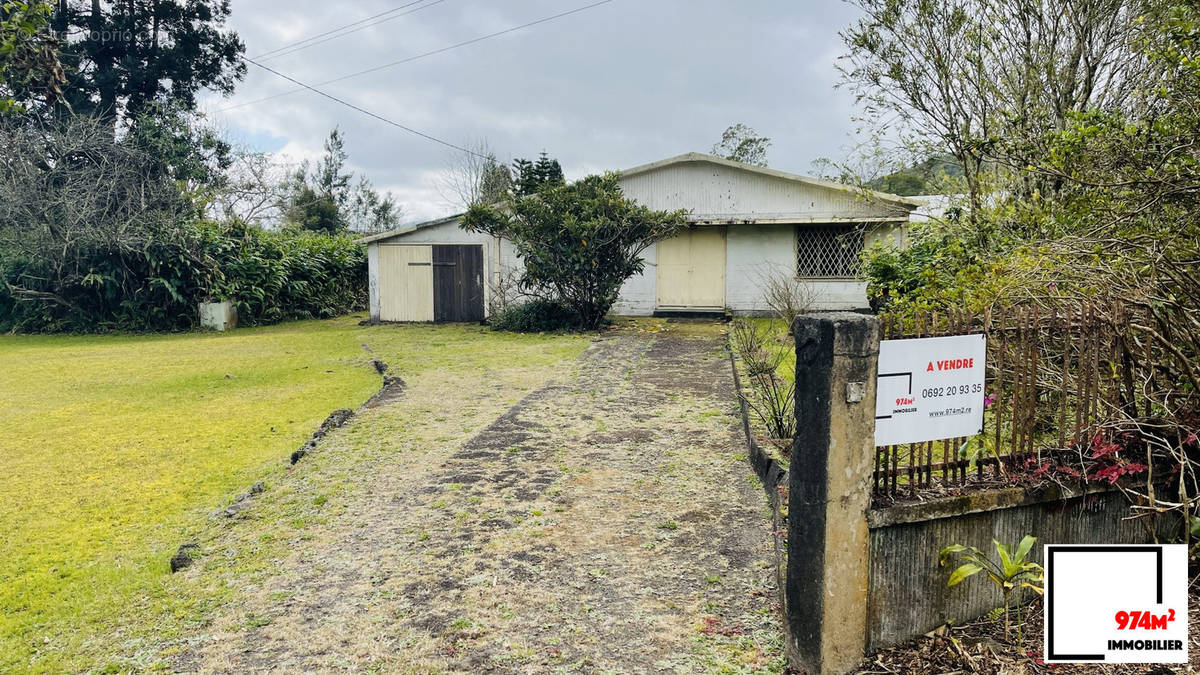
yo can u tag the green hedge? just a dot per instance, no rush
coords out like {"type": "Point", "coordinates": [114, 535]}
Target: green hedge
{"type": "Point", "coordinates": [271, 276]}
{"type": "Point", "coordinates": [276, 276]}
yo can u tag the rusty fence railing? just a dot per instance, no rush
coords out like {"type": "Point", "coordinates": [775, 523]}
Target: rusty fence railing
{"type": "Point", "coordinates": [1052, 380]}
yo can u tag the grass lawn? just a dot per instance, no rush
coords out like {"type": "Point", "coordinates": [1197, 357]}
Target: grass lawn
{"type": "Point", "coordinates": [116, 449]}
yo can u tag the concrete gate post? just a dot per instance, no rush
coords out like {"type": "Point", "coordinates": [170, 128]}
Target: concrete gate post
{"type": "Point", "coordinates": [825, 594]}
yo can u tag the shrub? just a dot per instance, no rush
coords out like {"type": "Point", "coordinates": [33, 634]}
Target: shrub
{"type": "Point", "coordinates": [269, 276]}
{"type": "Point", "coordinates": [579, 242]}
{"type": "Point", "coordinates": [537, 316]}
{"type": "Point", "coordinates": [273, 276]}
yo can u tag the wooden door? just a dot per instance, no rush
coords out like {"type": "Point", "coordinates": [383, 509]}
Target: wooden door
{"type": "Point", "coordinates": [691, 270]}
{"type": "Point", "coordinates": [405, 283]}
{"type": "Point", "coordinates": [458, 282]}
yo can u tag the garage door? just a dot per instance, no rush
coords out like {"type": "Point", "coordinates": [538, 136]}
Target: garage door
{"type": "Point", "coordinates": [440, 282]}
{"type": "Point", "coordinates": [691, 270]}
{"type": "Point", "coordinates": [406, 283]}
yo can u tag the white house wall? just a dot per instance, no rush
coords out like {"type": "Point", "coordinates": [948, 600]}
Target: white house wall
{"type": "Point", "coordinates": [639, 293]}
{"type": "Point", "coordinates": [721, 193]}
{"type": "Point", "coordinates": [756, 251]}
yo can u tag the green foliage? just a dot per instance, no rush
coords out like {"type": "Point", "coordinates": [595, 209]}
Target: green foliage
{"type": "Point", "coordinates": [579, 242]}
{"type": "Point", "coordinates": [531, 176]}
{"type": "Point", "coordinates": [919, 275]}
{"type": "Point", "coordinates": [765, 351]}
{"type": "Point", "coordinates": [325, 199]}
{"type": "Point", "coordinates": [923, 178]}
{"type": "Point", "coordinates": [270, 276]}
{"type": "Point", "coordinates": [181, 147]}
{"type": "Point", "coordinates": [740, 143]}
{"type": "Point", "coordinates": [28, 62]}
{"type": "Point", "coordinates": [536, 316]}
{"type": "Point", "coordinates": [314, 211]}
{"type": "Point", "coordinates": [284, 275]}
{"type": "Point", "coordinates": [1010, 572]}
{"type": "Point", "coordinates": [137, 53]}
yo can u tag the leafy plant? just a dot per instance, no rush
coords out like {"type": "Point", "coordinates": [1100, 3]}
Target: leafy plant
{"type": "Point", "coordinates": [771, 396]}
{"type": "Point", "coordinates": [579, 242]}
{"type": "Point", "coordinates": [1011, 572]}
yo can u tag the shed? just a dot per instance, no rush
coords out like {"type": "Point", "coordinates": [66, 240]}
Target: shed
{"type": "Point", "coordinates": [745, 223]}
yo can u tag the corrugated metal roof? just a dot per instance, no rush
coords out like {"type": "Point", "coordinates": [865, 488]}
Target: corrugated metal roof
{"type": "Point", "coordinates": [764, 171]}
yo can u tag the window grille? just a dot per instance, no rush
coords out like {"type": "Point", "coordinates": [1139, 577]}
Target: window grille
{"type": "Point", "coordinates": [828, 251]}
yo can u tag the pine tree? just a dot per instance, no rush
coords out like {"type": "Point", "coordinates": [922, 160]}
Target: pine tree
{"type": "Point", "coordinates": [532, 176]}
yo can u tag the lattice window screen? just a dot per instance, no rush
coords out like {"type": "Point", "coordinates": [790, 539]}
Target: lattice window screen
{"type": "Point", "coordinates": [828, 251]}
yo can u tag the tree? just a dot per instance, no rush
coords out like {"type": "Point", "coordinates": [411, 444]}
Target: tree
{"type": "Point", "coordinates": [28, 56]}
{"type": "Point", "coordinates": [82, 213]}
{"type": "Point", "coordinates": [922, 178]}
{"type": "Point", "coordinates": [323, 199]}
{"type": "Point", "coordinates": [330, 178]}
{"type": "Point", "coordinates": [475, 177]}
{"type": "Point", "coordinates": [533, 176]}
{"type": "Point", "coordinates": [579, 242]}
{"type": "Point", "coordinates": [740, 143]}
{"type": "Point", "coordinates": [123, 56]}
{"type": "Point", "coordinates": [369, 212]}
{"type": "Point", "coordinates": [957, 76]}
{"type": "Point", "coordinates": [256, 189]}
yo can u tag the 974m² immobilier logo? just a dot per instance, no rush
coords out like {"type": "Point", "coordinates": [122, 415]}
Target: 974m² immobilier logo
{"type": "Point", "coordinates": [1116, 604]}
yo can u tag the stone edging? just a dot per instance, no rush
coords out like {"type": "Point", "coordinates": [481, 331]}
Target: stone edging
{"type": "Point", "coordinates": [765, 466]}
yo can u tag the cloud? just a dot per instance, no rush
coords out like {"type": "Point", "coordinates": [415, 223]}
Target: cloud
{"type": "Point", "coordinates": [616, 86]}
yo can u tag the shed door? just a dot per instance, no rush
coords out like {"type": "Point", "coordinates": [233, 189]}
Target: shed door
{"type": "Point", "coordinates": [458, 282]}
{"type": "Point", "coordinates": [691, 270]}
{"type": "Point", "coordinates": [405, 283]}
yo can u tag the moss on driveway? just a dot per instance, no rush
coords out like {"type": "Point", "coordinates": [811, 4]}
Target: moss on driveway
{"type": "Point", "coordinates": [603, 519]}
{"type": "Point", "coordinates": [115, 449]}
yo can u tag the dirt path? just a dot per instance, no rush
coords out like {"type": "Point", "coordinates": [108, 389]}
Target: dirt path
{"type": "Point", "coordinates": [607, 522]}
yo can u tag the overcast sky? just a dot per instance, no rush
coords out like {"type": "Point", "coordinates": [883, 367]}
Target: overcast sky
{"type": "Point", "coordinates": [611, 87]}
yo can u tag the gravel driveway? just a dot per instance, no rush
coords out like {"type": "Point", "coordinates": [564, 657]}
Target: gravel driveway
{"type": "Point", "coordinates": [606, 522]}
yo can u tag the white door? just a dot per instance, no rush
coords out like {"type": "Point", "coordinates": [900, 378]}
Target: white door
{"type": "Point", "coordinates": [691, 270]}
{"type": "Point", "coordinates": [405, 283]}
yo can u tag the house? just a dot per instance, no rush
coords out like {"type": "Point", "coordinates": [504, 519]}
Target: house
{"type": "Point", "coordinates": [745, 222]}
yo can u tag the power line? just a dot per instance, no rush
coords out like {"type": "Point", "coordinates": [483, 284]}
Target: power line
{"type": "Point", "coordinates": [421, 56]}
{"type": "Point", "coordinates": [300, 45]}
{"type": "Point", "coordinates": [364, 110]}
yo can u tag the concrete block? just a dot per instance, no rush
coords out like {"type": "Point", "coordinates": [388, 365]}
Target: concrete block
{"type": "Point", "coordinates": [219, 316]}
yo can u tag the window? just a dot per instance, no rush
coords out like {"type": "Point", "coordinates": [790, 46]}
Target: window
{"type": "Point", "coordinates": [828, 251]}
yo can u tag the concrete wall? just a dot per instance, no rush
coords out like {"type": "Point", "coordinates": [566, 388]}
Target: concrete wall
{"type": "Point", "coordinates": [639, 294]}
{"type": "Point", "coordinates": [908, 595]}
{"type": "Point", "coordinates": [756, 250]}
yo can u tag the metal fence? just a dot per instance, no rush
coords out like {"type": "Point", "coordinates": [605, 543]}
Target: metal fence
{"type": "Point", "coordinates": [1052, 380]}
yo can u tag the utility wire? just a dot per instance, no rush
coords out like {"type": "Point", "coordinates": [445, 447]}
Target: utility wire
{"type": "Point", "coordinates": [421, 56]}
{"type": "Point", "coordinates": [364, 110]}
{"type": "Point", "coordinates": [300, 45]}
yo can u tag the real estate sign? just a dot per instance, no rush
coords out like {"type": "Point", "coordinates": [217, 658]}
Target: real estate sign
{"type": "Point", "coordinates": [930, 389]}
